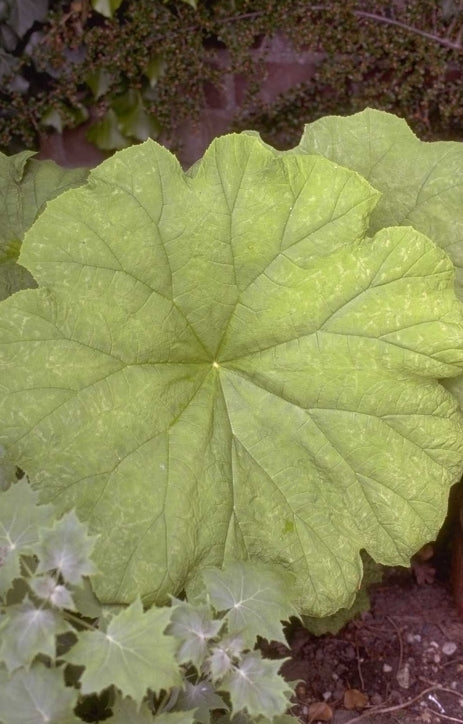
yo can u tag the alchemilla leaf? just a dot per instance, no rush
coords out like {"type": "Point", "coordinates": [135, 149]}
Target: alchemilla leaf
{"type": "Point", "coordinates": [220, 365]}
{"type": "Point", "coordinates": [133, 653]}
{"type": "Point", "coordinates": [25, 186]}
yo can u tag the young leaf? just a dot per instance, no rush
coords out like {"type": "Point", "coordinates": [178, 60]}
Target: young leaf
{"type": "Point", "coordinates": [220, 365]}
{"type": "Point", "coordinates": [255, 597]}
{"type": "Point", "coordinates": [134, 654]}
{"type": "Point", "coordinates": [20, 519]}
{"type": "Point", "coordinates": [36, 696]}
{"type": "Point", "coordinates": [27, 631]}
{"type": "Point", "coordinates": [193, 626]}
{"type": "Point", "coordinates": [256, 687]}
{"type": "Point", "coordinates": [66, 547]}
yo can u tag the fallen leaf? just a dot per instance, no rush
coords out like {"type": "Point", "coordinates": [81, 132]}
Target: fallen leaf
{"type": "Point", "coordinates": [319, 711]}
{"type": "Point", "coordinates": [355, 699]}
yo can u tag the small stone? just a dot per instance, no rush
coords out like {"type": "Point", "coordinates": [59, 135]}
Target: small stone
{"type": "Point", "coordinates": [387, 668]}
{"type": "Point", "coordinates": [326, 695]}
{"type": "Point", "coordinates": [449, 648]}
{"type": "Point", "coordinates": [376, 699]}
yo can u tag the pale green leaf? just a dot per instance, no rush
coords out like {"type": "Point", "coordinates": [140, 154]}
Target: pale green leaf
{"type": "Point", "coordinates": [200, 698]}
{"type": "Point", "coordinates": [256, 687]}
{"type": "Point", "coordinates": [106, 7]}
{"type": "Point", "coordinates": [133, 653]}
{"type": "Point", "coordinates": [193, 627]}
{"type": "Point", "coordinates": [421, 183]}
{"type": "Point", "coordinates": [175, 717]}
{"type": "Point", "coordinates": [225, 655]}
{"type": "Point", "coordinates": [66, 547]}
{"type": "Point", "coordinates": [27, 631]}
{"type": "Point", "coordinates": [45, 587]}
{"type": "Point", "coordinates": [37, 696]}
{"type": "Point", "coordinates": [25, 186]}
{"type": "Point", "coordinates": [20, 520]}
{"type": "Point", "coordinates": [255, 597]}
{"type": "Point", "coordinates": [220, 365]}
{"type": "Point", "coordinates": [126, 711]}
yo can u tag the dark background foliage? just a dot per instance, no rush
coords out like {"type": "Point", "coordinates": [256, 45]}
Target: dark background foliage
{"type": "Point", "coordinates": [136, 68]}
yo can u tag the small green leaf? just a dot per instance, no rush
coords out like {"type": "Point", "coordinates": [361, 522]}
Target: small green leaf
{"type": "Point", "coordinates": [99, 82]}
{"type": "Point", "coordinates": [20, 520]}
{"type": "Point", "coordinates": [66, 547]}
{"type": "Point", "coordinates": [134, 654]}
{"type": "Point", "coordinates": [132, 117]}
{"type": "Point", "coordinates": [194, 627]}
{"type": "Point", "coordinates": [27, 631]}
{"type": "Point", "coordinates": [256, 597]}
{"type": "Point", "coordinates": [106, 133]}
{"type": "Point", "coordinates": [106, 7]}
{"type": "Point", "coordinates": [257, 688]}
{"type": "Point", "coordinates": [37, 696]}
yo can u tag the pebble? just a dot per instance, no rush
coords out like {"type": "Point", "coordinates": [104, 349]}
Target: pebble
{"type": "Point", "coordinates": [387, 668]}
{"type": "Point", "coordinates": [449, 648]}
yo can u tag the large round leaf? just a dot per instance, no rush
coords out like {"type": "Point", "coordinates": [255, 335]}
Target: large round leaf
{"type": "Point", "coordinates": [218, 365]}
{"type": "Point", "coordinates": [421, 183]}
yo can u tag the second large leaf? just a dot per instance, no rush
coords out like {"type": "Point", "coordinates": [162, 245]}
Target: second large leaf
{"type": "Point", "coordinates": [219, 365]}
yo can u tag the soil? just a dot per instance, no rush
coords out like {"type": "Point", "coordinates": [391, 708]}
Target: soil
{"type": "Point", "coordinates": [400, 662]}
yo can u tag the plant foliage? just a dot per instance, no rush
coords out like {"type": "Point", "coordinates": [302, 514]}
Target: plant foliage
{"type": "Point", "coordinates": [171, 665]}
{"type": "Point", "coordinates": [222, 365]}
{"type": "Point", "coordinates": [26, 184]}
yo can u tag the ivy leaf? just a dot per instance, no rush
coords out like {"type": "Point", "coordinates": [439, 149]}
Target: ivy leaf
{"type": "Point", "coordinates": [36, 696]}
{"type": "Point", "coordinates": [106, 7]}
{"type": "Point", "coordinates": [194, 627]}
{"type": "Point", "coordinates": [175, 717]}
{"type": "Point", "coordinates": [126, 711]}
{"type": "Point", "coordinates": [133, 653]}
{"type": "Point", "coordinates": [256, 687]}
{"type": "Point", "coordinates": [224, 656]}
{"type": "Point", "coordinates": [222, 365]}
{"type": "Point", "coordinates": [25, 185]}
{"type": "Point", "coordinates": [200, 698]}
{"type": "Point", "coordinates": [66, 547]}
{"type": "Point", "coordinates": [255, 597]}
{"type": "Point", "coordinates": [20, 520]}
{"type": "Point", "coordinates": [45, 587]}
{"type": "Point", "coordinates": [27, 631]}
